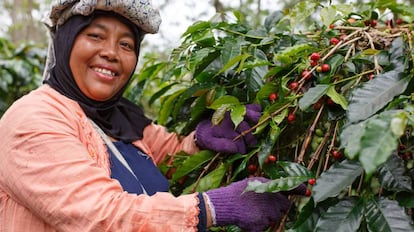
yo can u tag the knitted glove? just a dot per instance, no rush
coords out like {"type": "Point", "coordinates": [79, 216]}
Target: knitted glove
{"type": "Point", "coordinates": [220, 137]}
{"type": "Point", "coordinates": [249, 210]}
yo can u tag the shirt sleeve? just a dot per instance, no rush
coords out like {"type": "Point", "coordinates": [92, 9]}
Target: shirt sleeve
{"type": "Point", "coordinates": [159, 143]}
{"type": "Point", "coordinates": [45, 168]}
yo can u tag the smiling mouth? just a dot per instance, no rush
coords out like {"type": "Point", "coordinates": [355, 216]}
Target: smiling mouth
{"type": "Point", "coordinates": [105, 71]}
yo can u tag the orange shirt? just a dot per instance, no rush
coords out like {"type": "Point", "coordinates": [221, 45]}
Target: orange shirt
{"type": "Point", "coordinates": [54, 173]}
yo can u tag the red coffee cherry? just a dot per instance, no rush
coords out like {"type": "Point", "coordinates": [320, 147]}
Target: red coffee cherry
{"type": "Point", "coordinates": [312, 181]}
{"type": "Point", "coordinates": [325, 68]}
{"type": "Point", "coordinates": [307, 74]}
{"type": "Point", "coordinates": [291, 117]}
{"type": "Point", "coordinates": [334, 41]}
{"type": "Point", "coordinates": [252, 168]}
{"type": "Point", "coordinates": [272, 158]}
{"type": "Point", "coordinates": [315, 56]}
{"type": "Point", "coordinates": [272, 96]}
{"type": "Point", "coordinates": [336, 154]}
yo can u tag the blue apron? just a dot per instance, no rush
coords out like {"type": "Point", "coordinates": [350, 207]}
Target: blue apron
{"type": "Point", "coordinates": [147, 174]}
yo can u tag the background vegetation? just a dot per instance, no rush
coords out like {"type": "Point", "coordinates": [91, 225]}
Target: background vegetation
{"type": "Point", "coordinates": [335, 85]}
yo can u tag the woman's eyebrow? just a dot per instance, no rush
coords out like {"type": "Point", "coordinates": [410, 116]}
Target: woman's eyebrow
{"type": "Point", "coordinates": [102, 26]}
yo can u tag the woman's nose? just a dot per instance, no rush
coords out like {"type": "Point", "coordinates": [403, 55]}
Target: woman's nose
{"type": "Point", "coordinates": [109, 51]}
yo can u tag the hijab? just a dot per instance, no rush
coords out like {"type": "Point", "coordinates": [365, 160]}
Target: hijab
{"type": "Point", "coordinates": [117, 117]}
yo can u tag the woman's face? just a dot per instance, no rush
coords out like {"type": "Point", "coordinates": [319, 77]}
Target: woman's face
{"type": "Point", "coordinates": [103, 58]}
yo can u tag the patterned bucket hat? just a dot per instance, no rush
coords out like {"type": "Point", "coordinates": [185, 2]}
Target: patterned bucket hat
{"type": "Point", "coordinates": [140, 12]}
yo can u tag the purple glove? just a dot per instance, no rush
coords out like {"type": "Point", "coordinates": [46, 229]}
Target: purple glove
{"type": "Point", "coordinates": [249, 210]}
{"type": "Point", "coordinates": [220, 137]}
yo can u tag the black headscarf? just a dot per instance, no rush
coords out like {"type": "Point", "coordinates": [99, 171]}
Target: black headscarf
{"type": "Point", "coordinates": [117, 117]}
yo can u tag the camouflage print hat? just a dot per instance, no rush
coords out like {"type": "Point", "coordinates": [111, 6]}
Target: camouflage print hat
{"type": "Point", "coordinates": [139, 12]}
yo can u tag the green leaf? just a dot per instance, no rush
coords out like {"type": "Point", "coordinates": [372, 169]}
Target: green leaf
{"type": "Point", "coordinates": [267, 145]}
{"type": "Point", "coordinates": [231, 49]}
{"type": "Point", "coordinates": [386, 216]}
{"type": "Point", "coordinates": [336, 179]}
{"type": "Point", "coordinates": [371, 141]}
{"type": "Point", "coordinates": [377, 143]}
{"type": "Point", "coordinates": [277, 185]}
{"type": "Point", "coordinates": [337, 98]}
{"type": "Point", "coordinates": [406, 199]}
{"type": "Point", "coordinates": [233, 62]}
{"type": "Point", "coordinates": [188, 94]}
{"type": "Point", "coordinates": [302, 11]}
{"type": "Point", "coordinates": [291, 53]}
{"type": "Point", "coordinates": [192, 163]}
{"type": "Point", "coordinates": [167, 106]}
{"type": "Point", "coordinates": [161, 92]}
{"type": "Point", "coordinates": [237, 114]}
{"type": "Point", "coordinates": [224, 100]}
{"type": "Point", "coordinates": [391, 175]}
{"type": "Point", "coordinates": [328, 15]}
{"type": "Point", "coordinates": [297, 174]}
{"type": "Point", "coordinates": [295, 169]}
{"type": "Point", "coordinates": [272, 19]}
{"type": "Point", "coordinates": [201, 58]}
{"type": "Point", "coordinates": [210, 181]}
{"type": "Point", "coordinates": [312, 96]}
{"type": "Point", "coordinates": [373, 95]}
{"type": "Point", "coordinates": [350, 138]}
{"type": "Point", "coordinates": [346, 215]}
{"type": "Point", "coordinates": [197, 26]}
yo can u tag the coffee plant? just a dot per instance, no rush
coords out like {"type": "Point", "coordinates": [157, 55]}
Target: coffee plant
{"type": "Point", "coordinates": [335, 86]}
{"type": "Point", "coordinates": [20, 71]}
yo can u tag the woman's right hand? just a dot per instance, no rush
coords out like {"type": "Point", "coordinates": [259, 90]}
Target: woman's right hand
{"type": "Point", "coordinates": [250, 211]}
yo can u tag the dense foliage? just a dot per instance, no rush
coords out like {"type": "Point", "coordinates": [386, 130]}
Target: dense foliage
{"type": "Point", "coordinates": [20, 71]}
{"type": "Point", "coordinates": [337, 110]}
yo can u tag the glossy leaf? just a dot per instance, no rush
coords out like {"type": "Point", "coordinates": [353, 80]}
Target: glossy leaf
{"type": "Point", "coordinates": [337, 98]}
{"type": "Point", "coordinates": [296, 175]}
{"type": "Point", "coordinates": [192, 163]}
{"type": "Point", "coordinates": [267, 145]}
{"type": "Point", "coordinates": [371, 141]}
{"type": "Point", "coordinates": [311, 96]}
{"type": "Point", "coordinates": [272, 19]}
{"type": "Point", "coordinates": [210, 181]}
{"type": "Point", "coordinates": [386, 216]}
{"type": "Point", "coordinates": [375, 94]}
{"type": "Point", "coordinates": [392, 177]}
{"type": "Point", "coordinates": [231, 49]}
{"type": "Point", "coordinates": [346, 215]}
{"type": "Point", "coordinates": [167, 106]}
{"type": "Point", "coordinates": [336, 179]}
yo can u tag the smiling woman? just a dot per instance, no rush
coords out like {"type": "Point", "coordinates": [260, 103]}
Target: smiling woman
{"type": "Point", "coordinates": [95, 59]}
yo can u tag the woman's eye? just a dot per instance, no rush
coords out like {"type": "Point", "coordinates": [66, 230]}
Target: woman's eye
{"type": "Point", "coordinates": [94, 36]}
{"type": "Point", "coordinates": [127, 45]}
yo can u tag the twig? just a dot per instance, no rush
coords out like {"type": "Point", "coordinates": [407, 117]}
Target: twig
{"type": "Point", "coordinates": [371, 43]}
{"type": "Point", "coordinates": [331, 146]}
{"type": "Point", "coordinates": [308, 136]}
{"type": "Point", "coordinates": [206, 168]}
{"type": "Point", "coordinates": [318, 151]}
{"type": "Point", "coordinates": [243, 133]}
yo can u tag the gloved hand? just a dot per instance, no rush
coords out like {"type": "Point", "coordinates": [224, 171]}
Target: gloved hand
{"type": "Point", "coordinates": [220, 137]}
{"type": "Point", "coordinates": [249, 210]}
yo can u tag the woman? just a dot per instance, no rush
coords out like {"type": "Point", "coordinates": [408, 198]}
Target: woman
{"type": "Point", "coordinates": [76, 156]}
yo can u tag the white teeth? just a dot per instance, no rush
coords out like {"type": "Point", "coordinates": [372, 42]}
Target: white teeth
{"type": "Point", "coordinates": [104, 71]}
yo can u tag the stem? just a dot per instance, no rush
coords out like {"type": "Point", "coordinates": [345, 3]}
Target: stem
{"type": "Point", "coordinates": [243, 133]}
{"type": "Point", "coordinates": [308, 136]}
{"type": "Point", "coordinates": [371, 43]}
{"type": "Point", "coordinates": [205, 169]}
{"type": "Point", "coordinates": [318, 151]}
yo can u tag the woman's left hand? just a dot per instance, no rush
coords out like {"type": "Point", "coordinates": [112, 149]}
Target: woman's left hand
{"type": "Point", "coordinates": [222, 137]}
